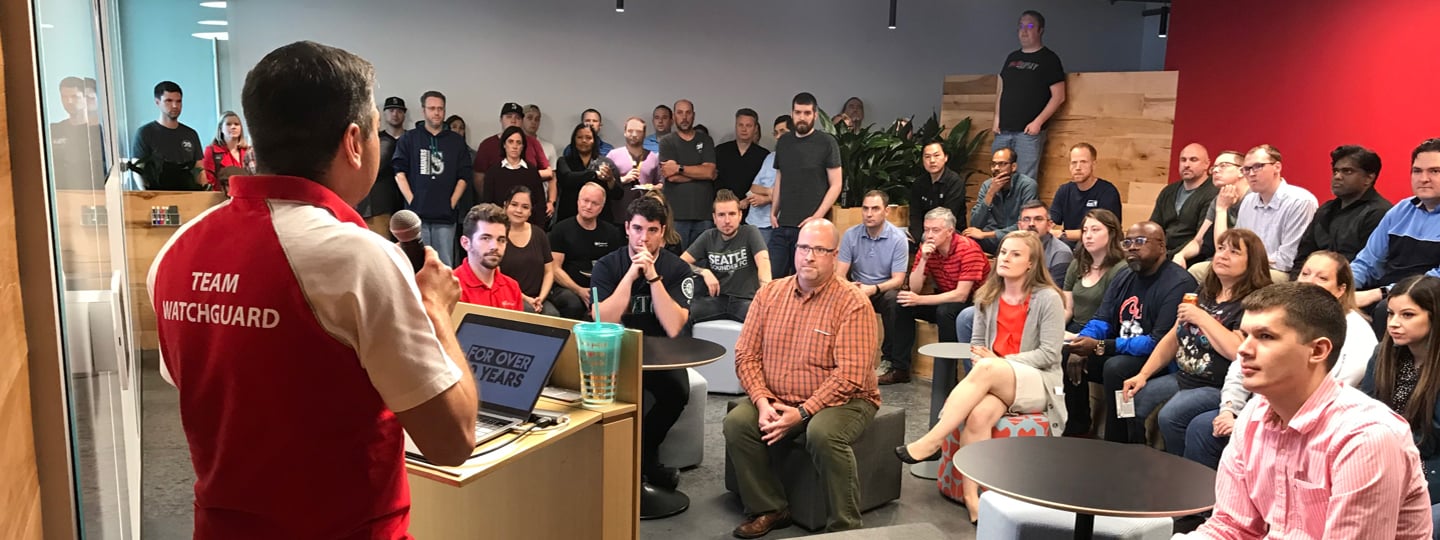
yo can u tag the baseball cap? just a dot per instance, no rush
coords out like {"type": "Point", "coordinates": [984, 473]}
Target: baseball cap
{"type": "Point", "coordinates": [393, 102]}
{"type": "Point", "coordinates": [512, 108]}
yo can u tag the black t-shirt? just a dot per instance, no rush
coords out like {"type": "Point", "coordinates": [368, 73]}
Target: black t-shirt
{"type": "Point", "coordinates": [384, 197]}
{"type": "Point", "coordinates": [527, 264]}
{"type": "Point", "coordinates": [583, 247]}
{"type": "Point", "coordinates": [1200, 364]}
{"type": "Point", "coordinates": [674, 273]}
{"type": "Point", "coordinates": [691, 201]}
{"type": "Point", "coordinates": [1027, 78]}
{"type": "Point", "coordinates": [803, 164]}
{"type": "Point", "coordinates": [180, 145]}
{"type": "Point", "coordinates": [79, 158]}
{"type": "Point", "coordinates": [927, 195]}
{"type": "Point", "coordinates": [736, 172]}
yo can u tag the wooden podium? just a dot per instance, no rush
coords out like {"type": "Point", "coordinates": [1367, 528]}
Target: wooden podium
{"type": "Point", "coordinates": [577, 480]}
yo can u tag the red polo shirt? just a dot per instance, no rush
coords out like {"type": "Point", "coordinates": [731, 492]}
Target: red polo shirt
{"type": "Point", "coordinates": [503, 293]}
{"type": "Point", "coordinates": [965, 262]}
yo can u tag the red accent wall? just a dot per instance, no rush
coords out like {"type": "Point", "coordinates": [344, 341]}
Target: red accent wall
{"type": "Point", "coordinates": [1307, 76]}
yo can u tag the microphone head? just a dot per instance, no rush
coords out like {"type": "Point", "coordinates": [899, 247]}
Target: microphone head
{"type": "Point", "coordinates": [405, 226]}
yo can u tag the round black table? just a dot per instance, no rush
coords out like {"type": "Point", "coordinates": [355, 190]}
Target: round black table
{"type": "Point", "coordinates": [661, 353]}
{"type": "Point", "coordinates": [1090, 477]}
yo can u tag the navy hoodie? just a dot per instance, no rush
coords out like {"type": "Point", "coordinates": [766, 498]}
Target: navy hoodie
{"type": "Point", "coordinates": [433, 164]}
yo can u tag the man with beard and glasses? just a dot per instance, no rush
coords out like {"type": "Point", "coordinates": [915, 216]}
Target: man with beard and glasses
{"type": "Point", "coordinates": [486, 235]}
{"type": "Point", "coordinates": [1139, 308]}
{"type": "Point", "coordinates": [997, 207]}
{"type": "Point", "coordinates": [687, 162]}
{"type": "Point", "coordinates": [807, 181]}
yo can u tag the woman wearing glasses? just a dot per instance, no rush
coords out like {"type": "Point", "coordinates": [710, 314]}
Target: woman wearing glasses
{"type": "Point", "coordinates": [1016, 351]}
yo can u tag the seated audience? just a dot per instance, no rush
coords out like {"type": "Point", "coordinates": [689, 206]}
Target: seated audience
{"type": "Point", "coordinates": [997, 206]}
{"type": "Point", "coordinates": [1402, 375]}
{"type": "Point", "coordinates": [1344, 223]}
{"type": "Point", "coordinates": [512, 172]}
{"type": "Point", "coordinates": [591, 117]}
{"type": "Point", "coordinates": [956, 266]}
{"type": "Point", "coordinates": [738, 161]}
{"type": "Point", "coordinates": [1220, 216]}
{"type": "Point", "coordinates": [1083, 193]}
{"type": "Point", "coordinates": [672, 237]}
{"type": "Point", "coordinates": [1016, 356]}
{"type": "Point", "coordinates": [481, 281]}
{"type": "Point", "coordinates": [1407, 240]}
{"type": "Point", "coordinates": [575, 244]}
{"type": "Point", "coordinates": [491, 151]}
{"type": "Point", "coordinates": [1139, 308]}
{"type": "Point", "coordinates": [805, 363]}
{"type": "Point", "coordinates": [583, 164]}
{"type": "Point", "coordinates": [647, 288]}
{"type": "Point", "coordinates": [636, 165]}
{"type": "Point", "coordinates": [1095, 265]}
{"type": "Point", "coordinates": [874, 256]}
{"type": "Point", "coordinates": [1311, 458]}
{"type": "Point", "coordinates": [760, 196]}
{"type": "Point", "coordinates": [1035, 218]}
{"type": "Point", "coordinates": [938, 187]}
{"type": "Point", "coordinates": [527, 255]}
{"type": "Point", "coordinates": [1208, 432]}
{"type": "Point", "coordinates": [1181, 206]}
{"type": "Point", "coordinates": [1202, 343]}
{"type": "Point", "coordinates": [732, 261]}
{"type": "Point", "coordinates": [1276, 210]}
{"type": "Point", "coordinates": [229, 149]}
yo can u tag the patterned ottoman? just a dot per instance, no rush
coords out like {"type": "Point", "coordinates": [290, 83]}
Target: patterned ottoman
{"type": "Point", "coordinates": [1023, 425]}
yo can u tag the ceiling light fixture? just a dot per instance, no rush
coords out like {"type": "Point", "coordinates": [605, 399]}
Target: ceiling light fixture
{"type": "Point", "coordinates": [619, 6]}
{"type": "Point", "coordinates": [214, 23]}
{"type": "Point", "coordinates": [892, 14]}
{"type": "Point", "coordinates": [1165, 21]}
{"type": "Point", "coordinates": [218, 36]}
{"type": "Point", "coordinates": [216, 5]}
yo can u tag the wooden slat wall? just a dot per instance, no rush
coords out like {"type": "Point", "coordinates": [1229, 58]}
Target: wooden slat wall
{"type": "Point", "coordinates": [19, 481]}
{"type": "Point", "coordinates": [1129, 117]}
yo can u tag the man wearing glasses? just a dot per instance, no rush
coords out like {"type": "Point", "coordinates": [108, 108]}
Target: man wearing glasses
{"type": "Point", "coordinates": [957, 266]}
{"type": "Point", "coordinates": [997, 207]}
{"type": "Point", "coordinates": [1032, 87]}
{"type": "Point", "coordinates": [805, 359]}
{"type": "Point", "coordinates": [1278, 212]}
{"type": "Point", "coordinates": [1139, 308]}
{"type": "Point", "coordinates": [1231, 187]}
{"type": "Point", "coordinates": [1034, 217]}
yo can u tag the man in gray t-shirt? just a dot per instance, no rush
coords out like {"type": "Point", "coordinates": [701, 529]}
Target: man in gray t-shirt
{"type": "Point", "coordinates": [732, 260]}
{"type": "Point", "coordinates": [687, 163]}
{"type": "Point", "coordinates": [807, 181]}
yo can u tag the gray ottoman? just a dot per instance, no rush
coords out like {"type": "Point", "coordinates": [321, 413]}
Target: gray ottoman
{"type": "Point", "coordinates": [1006, 518]}
{"type": "Point", "coordinates": [874, 457]}
{"type": "Point", "coordinates": [909, 531]}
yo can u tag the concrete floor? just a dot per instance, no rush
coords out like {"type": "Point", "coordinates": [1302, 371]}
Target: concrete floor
{"type": "Point", "coordinates": [167, 484]}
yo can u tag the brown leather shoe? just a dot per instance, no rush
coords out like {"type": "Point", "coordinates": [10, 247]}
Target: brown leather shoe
{"type": "Point", "coordinates": [761, 525]}
{"type": "Point", "coordinates": [894, 376]}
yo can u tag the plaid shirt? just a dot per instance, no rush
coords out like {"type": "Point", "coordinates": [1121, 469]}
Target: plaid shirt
{"type": "Point", "coordinates": [815, 349]}
{"type": "Point", "coordinates": [966, 262]}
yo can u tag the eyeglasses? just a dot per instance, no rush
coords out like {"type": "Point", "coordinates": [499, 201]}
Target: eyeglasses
{"type": "Point", "coordinates": [1000, 163]}
{"type": "Point", "coordinates": [1252, 169]}
{"type": "Point", "coordinates": [1034, 219]}
{"type": "Point", "coordinates": [817, 250]}
{"type": "Point", "coordinates": [1222, 165]}
{"type": "Point", "coordinates": [1134, 242]}
{"type": "Point", "coordinates": [1027, 26]}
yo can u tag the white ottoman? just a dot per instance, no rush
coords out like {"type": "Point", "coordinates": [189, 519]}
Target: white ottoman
{"type": "Point", "coordinates": [1005, 518]}
{"type": "Point", "coordinates": [684, 446]}
{"type": "Point", "coordinates": [721, 373]}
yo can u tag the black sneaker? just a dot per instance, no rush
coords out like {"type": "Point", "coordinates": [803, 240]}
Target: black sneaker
{"type": "Point", "coordinates": [663, 477]}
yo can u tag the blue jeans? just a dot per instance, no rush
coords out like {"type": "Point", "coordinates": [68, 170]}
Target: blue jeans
{"type": "Point", "coordinates": [690, 230]}
{"type": "Point", "coordinates": [440, 236]}
{"type": "Point", "coordinates": [1201, 444]}
{"type": "Point", "coordinates": [1028, 149]}
{"type": "Point", "coordinates": [1176, 413]}
{"type": "Point", "coordinates": [782, 250]}
{"type": "Point", "coordinates": [1435, 519]}
{"type": "Point", "coordinates": [965, 330]}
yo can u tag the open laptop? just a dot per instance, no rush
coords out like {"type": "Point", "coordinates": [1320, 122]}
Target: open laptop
{"type": "Point", "coordinates": [511, 362]}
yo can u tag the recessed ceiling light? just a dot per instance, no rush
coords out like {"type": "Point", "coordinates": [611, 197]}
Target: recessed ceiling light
{"type": "Point", "coordinates": [214, 23]}
{"type": "Point", "coordinates": [216, 5]}
{"type": "Point", "coordinates": [221, 36]}
{"type": "Point", "coordinates": [46, 26]}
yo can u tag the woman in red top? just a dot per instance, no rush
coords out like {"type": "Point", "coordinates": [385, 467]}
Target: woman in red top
{"type": "Point", "coordinates": [1019, 327]}
{"type": "Point", "coordinates": [229, 149]}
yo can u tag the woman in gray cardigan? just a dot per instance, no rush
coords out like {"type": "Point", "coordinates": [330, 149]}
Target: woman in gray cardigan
{"type": "Point", "coordinates": [1019, 327]}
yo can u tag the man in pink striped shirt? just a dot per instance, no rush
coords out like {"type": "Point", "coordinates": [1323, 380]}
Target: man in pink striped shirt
{"type": "Point", "coordinates": [1312, 458]}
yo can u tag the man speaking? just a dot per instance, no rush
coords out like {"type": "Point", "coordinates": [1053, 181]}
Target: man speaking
{"type": "Point", "coordinates": [301, 342]}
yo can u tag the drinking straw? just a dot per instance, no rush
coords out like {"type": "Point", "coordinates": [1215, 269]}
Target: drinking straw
{"type": "Point", "coordinates": [595, 302]}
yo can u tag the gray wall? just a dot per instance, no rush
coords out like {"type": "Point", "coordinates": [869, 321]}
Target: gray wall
{"type": "Point", "coordinates": [566, 55]}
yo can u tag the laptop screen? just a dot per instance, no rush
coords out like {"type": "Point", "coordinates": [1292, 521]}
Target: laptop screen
{"type": "Point", "coordinates": [510, 360]}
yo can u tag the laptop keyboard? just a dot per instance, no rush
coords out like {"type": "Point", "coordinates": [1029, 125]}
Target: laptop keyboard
{"type": "Point", "coordinates": [484, 424]}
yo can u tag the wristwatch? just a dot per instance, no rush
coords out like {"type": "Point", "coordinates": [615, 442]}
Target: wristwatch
{"type": "Point", "coordinates": [804, 415]}
{"type": "Point", "coordinates": [682, 169]}
{"type": "Point", "coordinates": [1100, 348]}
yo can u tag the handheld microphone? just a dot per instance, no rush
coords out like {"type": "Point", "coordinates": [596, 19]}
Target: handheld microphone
{"type": "Point", "coordinates": [405, 227]}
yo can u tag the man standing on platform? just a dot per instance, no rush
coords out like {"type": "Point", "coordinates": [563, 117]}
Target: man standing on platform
{"type": "Point", "coordinates": [957, 266]}
{"type": "Point", "coordinates": [1084, 192]}
{"type": "Point", "coordinates": [997, 208]}
{"type": "Point", "coordinates": [1181, 207]}
{"type": "Point", "coordinates": [432, 168]}
{"type": "Point", "coordinates": [732, 260]}
{"type": "Point", "coordinates": [738, 161]}
{"type": "Point", "coordinates": [575, 244]}
{"type": "Point", "coordinates": [485, 235]}
{"type": "Point", "coordinates": [384, 198]}
{"type": "Point", "coordinates": [938, 187]}
{"type": "Point", "coordinates": [805, 362]}
{"type": "Point", "coordinates": [687, 163]}
{"type": "Point", "coordinates": [663, 118]}
{"type": "Point", "coordinates": [874, 256]}
{"type": "Point", "coordinates": [807, 181]}
{"type": "Point", "coordinates": [648, 288]}
{"type": "Point", "coordinates": [1032, 87]}
{"type": "Point", "coordinates": [300, 343]}
{"type": "Point", "coordinates": [1311, 457]}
